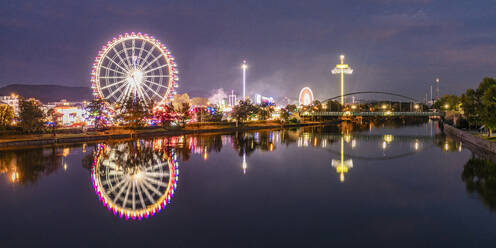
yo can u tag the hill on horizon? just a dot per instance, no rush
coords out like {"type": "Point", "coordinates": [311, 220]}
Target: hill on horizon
{"type": "Point", "coordinates": [48, 92]}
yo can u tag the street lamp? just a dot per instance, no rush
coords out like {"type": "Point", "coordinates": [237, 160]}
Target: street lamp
{"type": "Point", "coordinates": [446, 106]}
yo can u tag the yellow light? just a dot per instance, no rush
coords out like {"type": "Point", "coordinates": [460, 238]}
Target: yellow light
{"type": "Point", "coordinates": [416, 106]}
{"type": "Point", "coordinates": [353, 106]}
{"type": "Point", "coordinates": [446, 146]}
{"type": "Point", "coordinates": [384, 145]}
{"type": "Point", "coordinates": [416, 145]}
{"type": "Point", "coordinates": [446, 106]}
{"type": "Point", "coordinates": [384, 106]}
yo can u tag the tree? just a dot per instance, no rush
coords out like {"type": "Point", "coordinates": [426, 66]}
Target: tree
{"type": "Point", "coordinates": [488, 112]}
{"type": "Point", "coordinates": [447, 102]}
{"type": "Point", "coordinates": [165, 114]}
{"type": "Point", "coordinates": [334, 106]}
{"type": "Point", "coordinates": [6, 116]}
{"type": "Point", "coordinates": [287, 111]}
{"type": "Point", "coordinates": [98, 113]}
{"type": "Point", "coordinates": [213, 114]}
{"type": "Point", "coordinates": [134, 112]}
{"type": "Point", "coordinates": [264, 111]}
{"type": "Point", "coordinates": [183, 113]}
{"type": "Point", "coordinates": [470, 107]}
{"type": "Point", "coordinates": [31, 116]}
{"type": "Point", "coordinates": [243, 110]}
{"type": "Point", "coordinates": [53, 119]}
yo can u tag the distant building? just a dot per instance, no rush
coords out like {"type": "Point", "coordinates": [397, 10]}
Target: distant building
{"type": "Point", "coordinates": [72, 113]}
{"type": "Point", "coordinates": [12, 101]}
{"type": "Point", "coordinates": [232, 99]}
{"type": "Point", "coordinates": [259, 99]}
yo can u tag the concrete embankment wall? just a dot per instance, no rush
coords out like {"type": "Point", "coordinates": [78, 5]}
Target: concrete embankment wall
{"type": "Point", "coordinates": [480, 143]}
{"type": "Point", "coordinates": [94, 138]}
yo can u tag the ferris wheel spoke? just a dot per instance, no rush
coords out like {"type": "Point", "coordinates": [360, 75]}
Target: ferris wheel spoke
{"type": "Point", "coordinates": [146, 96]}
{"type": "Point", "coordinates": [161, 97]}
{"type": "Point", "coordinates": [113, 84]}
{"type": "Point", "coordinates": [114, 92]}
{"type": "Point", "coordinates": [149, 186]}
{"type": "Point", "coordinates": [147, 193]}
{"type": "Point", "coordinates": [140, 92]}
{"type": "Point", "coordinates": [111, 60]}
{"type": "Point", "coordinates": [147, 55]}
{"type": "Point", "coordinates": [157, 174]}
{"type": "Point", "coordinates": [156, 68]}
{"type": "Point", "coordinates": [132, 50]}
{"type": "Point", "coordinates": [110, 69]}
{"type": "Point", "coordinates": [150, 169]}
{"type": "Point", "coordinates": [157, 84]}
{"type": "Point", "coordinates": [121, 190]}
{"type": "Point", "coordinates": [138, 188]}
{"type": "Point", "coordinates": [134, 196]}
{"type": "Point", "coordinates": [155, 181]}
{"type": "Point", "coordinates": [112, 77]}
{"type": "Point", "coordinates": [126, 196]}
{"type": "Point", "coordinates": [153, 61]}
{"type": "Point", "coordinates": [157, 76]}
{"type": "Point", "coordinates": [125, 54]}
{"type": "Point", "coordinates": [125, 94]}
{"type": "Point", "coordinates": [141, 50]}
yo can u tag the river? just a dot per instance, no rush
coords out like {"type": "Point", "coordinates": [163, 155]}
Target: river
{"type": "Point", "coordinates": [382, 185]}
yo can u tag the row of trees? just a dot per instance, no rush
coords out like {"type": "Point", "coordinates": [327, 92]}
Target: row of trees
{"type": "Point", "coordinates": [31, 116]}
{"type": "Point", "coordinates": [476, 106]}
{"type": "Point", "coordinates": [246, 110]}
{"type": "Point", "coordinates": [135, 113]}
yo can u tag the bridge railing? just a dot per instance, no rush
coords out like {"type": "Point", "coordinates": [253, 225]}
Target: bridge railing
{"type": "Point", "coordinates": [365, 114]}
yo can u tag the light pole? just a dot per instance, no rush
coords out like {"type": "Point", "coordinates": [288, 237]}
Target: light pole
{"type": "Point", "coordinates": [342, 69]}
{"type": "Point", "coordinates": [244, 66]}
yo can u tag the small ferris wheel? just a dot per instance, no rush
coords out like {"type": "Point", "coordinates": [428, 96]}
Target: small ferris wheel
{"type": "Point", "coordinates": [134, 65]}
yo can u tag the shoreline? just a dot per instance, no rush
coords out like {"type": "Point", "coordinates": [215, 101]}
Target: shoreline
{"type": "Point", "coordinates": [481, 147]}
{"type": "Point", "coordinates": [132, 134]}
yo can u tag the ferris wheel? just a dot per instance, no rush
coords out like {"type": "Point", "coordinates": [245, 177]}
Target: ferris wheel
{"type": "Point", "coordinates": [136, 191]}
{"type": "Point", "coordinates": [134, 65]}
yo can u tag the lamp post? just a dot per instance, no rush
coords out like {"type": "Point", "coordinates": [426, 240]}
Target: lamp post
{"type": "Point", "coordinates": [342, 69]}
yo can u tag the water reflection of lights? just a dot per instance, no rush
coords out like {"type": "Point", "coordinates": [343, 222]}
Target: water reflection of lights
{"type": "Point", "coordinates": [342, 166]}
{"type": "Point", "coordinates": [353, 143]}
{"type": "Point", "coordinates": [388, 138]}
{"type": "Point", "coordinates": [446, 146]}
{"type": "Point", "coordinates": [136, 191]}
{"type": "Point", "coordinates": [244, 165]}
{"type": "Point", "coordinates": [14, 177]}
{"type": "Point", "coordinates": [384, 145]}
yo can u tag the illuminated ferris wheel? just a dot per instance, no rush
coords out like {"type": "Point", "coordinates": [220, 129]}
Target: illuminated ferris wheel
{"type": "Point", "coordinates": [134, 65]}
{"type": "Point", "coordinates": [134, 183]}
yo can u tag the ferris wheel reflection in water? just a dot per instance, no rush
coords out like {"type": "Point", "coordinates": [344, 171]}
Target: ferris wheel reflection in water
{"type": "Point", "coordinates": [134, 180]}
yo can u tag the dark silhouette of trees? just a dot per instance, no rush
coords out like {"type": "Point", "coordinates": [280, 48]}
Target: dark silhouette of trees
{"type": "Point", "coordinates": [479, 176]}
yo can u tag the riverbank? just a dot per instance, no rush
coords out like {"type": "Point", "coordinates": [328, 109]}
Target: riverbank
{"type": "Point", "coordinates": [112, 134]}
{"type": "Point", "coordinates": [480, 146]}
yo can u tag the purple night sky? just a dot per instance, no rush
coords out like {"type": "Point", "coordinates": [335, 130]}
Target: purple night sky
{"type": "Point", "coordinates": [394, 45]}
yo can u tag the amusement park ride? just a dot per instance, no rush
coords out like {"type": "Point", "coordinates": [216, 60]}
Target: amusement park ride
{"type": "Point", "coordinates": [134, 65]}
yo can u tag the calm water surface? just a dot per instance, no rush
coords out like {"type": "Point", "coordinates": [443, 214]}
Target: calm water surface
{"type": "Point", "coordinates": [402, 186]}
